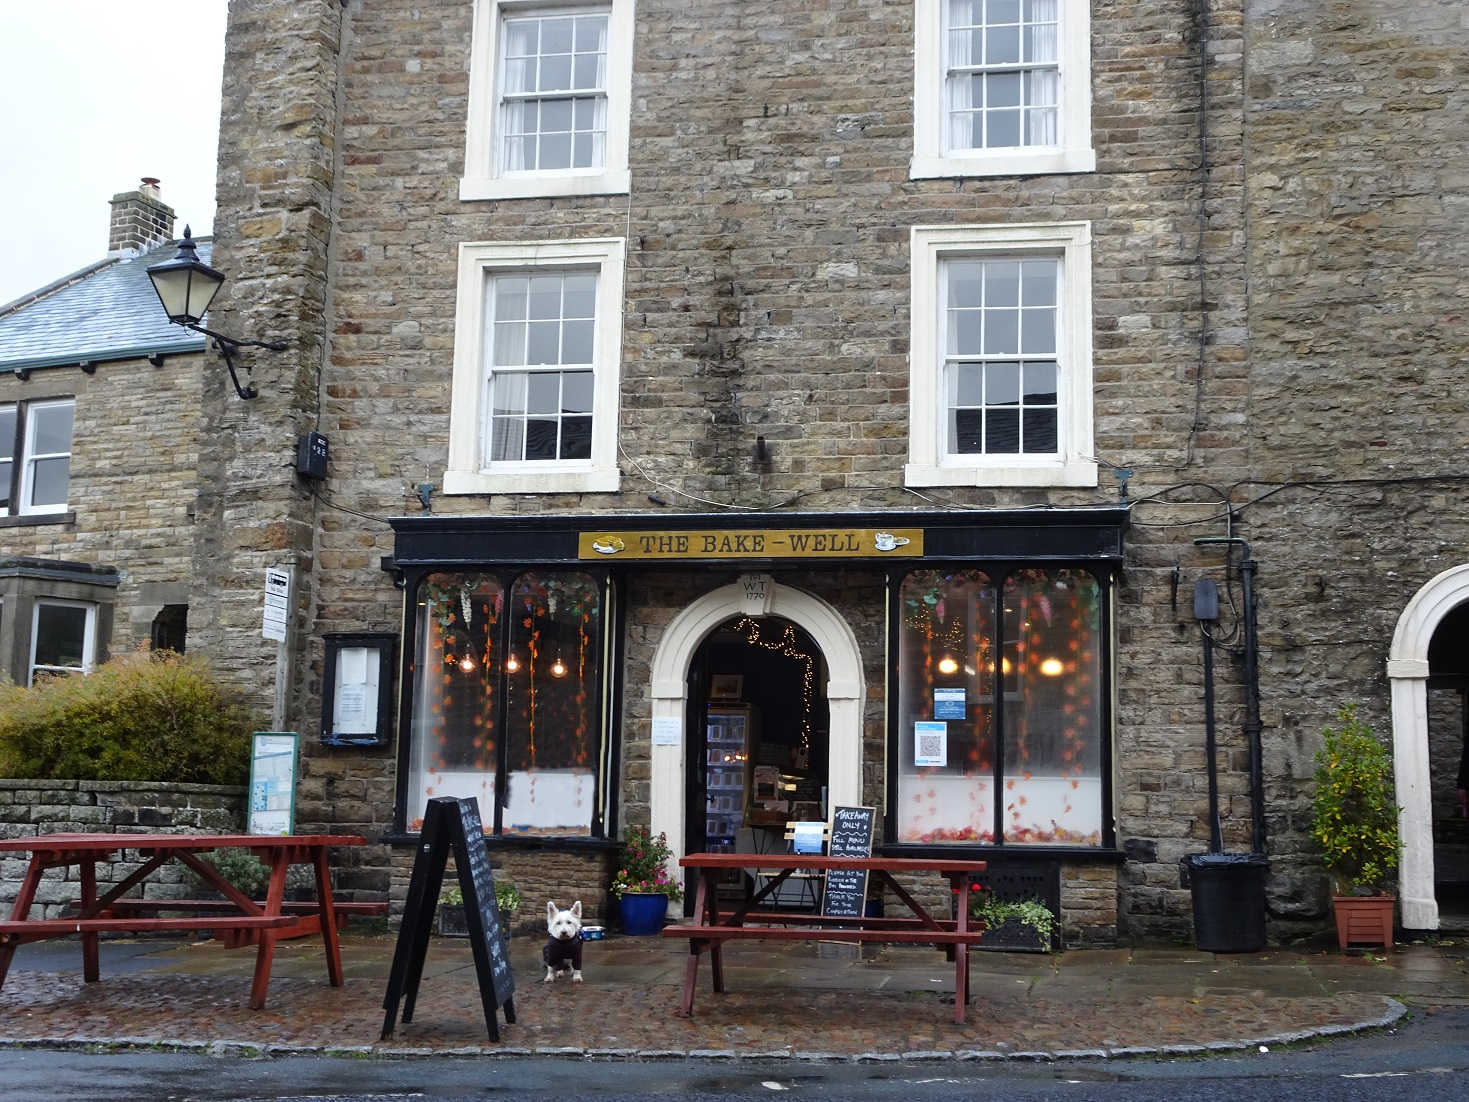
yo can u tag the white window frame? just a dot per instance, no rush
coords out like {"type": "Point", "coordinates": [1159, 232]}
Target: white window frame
{"type": "Point", "coordinates": [929, 464]}
{"type": "Point", "coordinates": [469, 470]}
{"type": "Point", "coordinates": [25, 458]}
{"type": "Point", "coordinates": [1073, 151]}
{"type": "Point", "coordinates": [482, 177]}
{"type": "Point", "coordinates": [89, 638]}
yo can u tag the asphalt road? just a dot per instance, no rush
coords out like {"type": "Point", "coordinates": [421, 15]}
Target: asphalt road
{"type": "Point", "coordinates": [1427, 1059]}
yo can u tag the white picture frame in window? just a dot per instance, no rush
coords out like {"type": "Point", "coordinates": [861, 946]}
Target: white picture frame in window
{"type": "Point", "coordinates": [89, 638]}
{"type": "Point", "coordinates": [1075, 462]}
{"type": "Point", "coordinates": [468, 471]}
{"type": "Point", "coordinates": [483, 177]}
{"type": "Point", "coordinates": [1073, 151]}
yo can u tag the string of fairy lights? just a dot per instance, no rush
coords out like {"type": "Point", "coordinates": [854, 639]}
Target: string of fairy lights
{"type": "Point", "coordinates": [788, 646]}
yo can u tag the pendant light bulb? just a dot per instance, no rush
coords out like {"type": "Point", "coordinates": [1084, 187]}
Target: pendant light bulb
{"type": "Point", "coordinates": [466, 663]}
{"type": "Point", "coordinates": [558, 667]}
{"type": "Point", "coordinates": [512, 664]}
{"type": "Point", "coordinates": [947, 665]}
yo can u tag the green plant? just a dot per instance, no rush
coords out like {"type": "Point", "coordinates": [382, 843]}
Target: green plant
{"type": "Point", "coordinates": [507, 897]}
{"type": "Point", "coordinates": [1030, 913]}
{"type": "Point", "coordinates": [644, 868]}
{"type": "Point", "coordinates": [236, 866]}
{"type": "Point", "coordinates": [145, 716]}
{"type": "Point", "coordinates": [1354, 819]}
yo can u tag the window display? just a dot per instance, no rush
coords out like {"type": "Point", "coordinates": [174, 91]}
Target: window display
{"type": "Point", "coordinates": [1000, 707]}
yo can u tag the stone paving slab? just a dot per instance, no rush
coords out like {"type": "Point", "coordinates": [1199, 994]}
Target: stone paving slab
{"type": "Point", "coordinates": [783, 999]}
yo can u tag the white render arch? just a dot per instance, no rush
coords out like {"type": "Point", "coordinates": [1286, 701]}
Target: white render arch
{"type": "Point", "coordinates": [1407, 669]}
{"type": "Point", "coordinates": [753, 595]}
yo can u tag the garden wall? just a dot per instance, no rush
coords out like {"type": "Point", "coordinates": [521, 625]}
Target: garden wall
{"type": "Point", "coordinates": [107, 807]}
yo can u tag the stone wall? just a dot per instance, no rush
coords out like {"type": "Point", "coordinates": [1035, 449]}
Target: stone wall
{"type": "Point", "coordinates": [109, 807]}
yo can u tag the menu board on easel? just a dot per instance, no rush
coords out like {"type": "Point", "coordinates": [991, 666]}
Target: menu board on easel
{"type": "Point", "coordinates": [845, 895]}
{"type": "Point", "coordinates": [451, 824]}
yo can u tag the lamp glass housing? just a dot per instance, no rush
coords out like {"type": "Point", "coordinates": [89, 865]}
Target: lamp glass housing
{"type": "Point", "coordinates": [185, 285]}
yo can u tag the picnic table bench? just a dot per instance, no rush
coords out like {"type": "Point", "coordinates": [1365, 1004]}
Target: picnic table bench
{"type": "Point", "coordinates": [263, 921]}
{"type": "Point", "coordinates": [712, 926]}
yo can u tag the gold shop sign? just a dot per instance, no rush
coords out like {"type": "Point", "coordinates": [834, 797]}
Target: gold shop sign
{"type": "Point", "coordinates": [754, 543]}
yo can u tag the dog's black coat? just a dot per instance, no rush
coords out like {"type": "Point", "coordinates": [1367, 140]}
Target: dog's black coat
{"type": "Point", "coordinates": [558, 954]}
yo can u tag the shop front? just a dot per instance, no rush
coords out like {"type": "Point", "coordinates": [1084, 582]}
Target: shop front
{"type": "Point", "coordinates": [715, 677]}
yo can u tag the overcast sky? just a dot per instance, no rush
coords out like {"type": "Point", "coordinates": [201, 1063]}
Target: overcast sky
{"type": "Point", "coordinates": [95, 95]}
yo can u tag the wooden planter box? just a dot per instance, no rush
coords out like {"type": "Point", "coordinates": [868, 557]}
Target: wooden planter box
{"type": "Point", "coordinates": [1363, 919]}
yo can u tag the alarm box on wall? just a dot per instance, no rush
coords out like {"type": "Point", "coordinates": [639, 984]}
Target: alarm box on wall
{"type": "Point", "coordinates": [357, 688]}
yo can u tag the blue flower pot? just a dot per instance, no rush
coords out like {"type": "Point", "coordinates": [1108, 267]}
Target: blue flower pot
{"type": "Point", "coordinates": [642, 915]}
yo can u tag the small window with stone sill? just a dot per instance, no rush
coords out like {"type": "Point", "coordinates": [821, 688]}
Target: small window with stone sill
{"type": "Point", "coordinates": [550, 87]}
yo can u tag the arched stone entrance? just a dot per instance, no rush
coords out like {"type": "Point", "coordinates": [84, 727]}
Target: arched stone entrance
{"type": "Point", "coordinates": [1407, 667]}
{"type": "Point", "coordinates": [754, 595]}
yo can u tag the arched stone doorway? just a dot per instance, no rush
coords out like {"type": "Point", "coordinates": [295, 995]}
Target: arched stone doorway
{"type": "Point", "coordinates": [753, 595]}
{"type": "Point", "coordinates": [1408, 670]}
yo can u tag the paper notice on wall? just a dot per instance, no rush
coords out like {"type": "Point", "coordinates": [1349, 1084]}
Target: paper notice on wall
{"type": "Point", "coordinates": [667, 731]}
{"type": "Point", "coordinates": [930, 743]}
{"type": "Point", "coordinates": [948, 703]}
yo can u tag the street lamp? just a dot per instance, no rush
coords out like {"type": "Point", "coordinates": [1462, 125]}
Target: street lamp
{"type": "Point", "coordinates": [186, 286]}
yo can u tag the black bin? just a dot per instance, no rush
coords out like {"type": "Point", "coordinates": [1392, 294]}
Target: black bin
{"type": "Point", "coordinates": [1229, 901]}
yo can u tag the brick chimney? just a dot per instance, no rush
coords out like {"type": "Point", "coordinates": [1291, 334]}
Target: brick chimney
{"type": "Point", "coordinates": [140, 220]}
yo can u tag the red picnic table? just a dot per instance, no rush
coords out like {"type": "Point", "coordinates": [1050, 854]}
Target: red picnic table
{"type": "Point", "coordinates": [112, 913]}
{"type": "Point", "coordinates": [711, 926]}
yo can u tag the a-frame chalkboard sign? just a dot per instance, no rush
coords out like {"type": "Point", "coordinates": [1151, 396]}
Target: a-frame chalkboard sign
{"type": "Point", "coordinates": [451, 824]}
{"type": "Point", "coordinates": [851, 836]}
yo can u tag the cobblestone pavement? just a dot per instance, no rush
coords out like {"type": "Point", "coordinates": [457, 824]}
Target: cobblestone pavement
{"type": "Point", "coordinates": [793, 999]}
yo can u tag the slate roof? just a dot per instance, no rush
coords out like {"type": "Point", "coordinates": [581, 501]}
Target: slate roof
{"type": "Point", "coordinates": [107, 311]}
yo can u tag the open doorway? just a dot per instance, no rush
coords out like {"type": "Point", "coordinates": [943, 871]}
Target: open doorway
{"type": "Point", "coordinates": [761, 726]}
{"type": "Point", "coordinates": [1448, 749]}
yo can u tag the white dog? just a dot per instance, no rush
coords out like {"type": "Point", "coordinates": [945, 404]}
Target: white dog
{"type": "Point", "coordinates": [562, 953]}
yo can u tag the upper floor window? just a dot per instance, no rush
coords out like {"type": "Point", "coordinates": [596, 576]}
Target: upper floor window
{"type": "Point", "coordinates": [537, 342]}
{"type": "Point", "coordinates": [35, 456]}
{"type": "Point", "coordinates": [1000, 390]}
{"type": "Point", "coordinates": [1002, 87]}
{"type": "Point", "coordinates": [550, 86]}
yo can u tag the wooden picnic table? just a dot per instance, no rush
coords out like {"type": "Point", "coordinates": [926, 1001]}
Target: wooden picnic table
{"type": "Point", "coordinates": [112, 913]}
{"type": "Point", "coordinates": [712, 926]}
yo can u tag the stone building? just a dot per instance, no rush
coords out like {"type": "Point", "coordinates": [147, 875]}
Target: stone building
{"type": "Point", "coordinates": [100, 400]}
{"type": "Point", "coordinates": [858, 375]}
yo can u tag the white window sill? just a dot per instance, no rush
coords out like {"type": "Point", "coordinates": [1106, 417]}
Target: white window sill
{"type": "Point", "coordinates": [1071, 472]}
{"type": "Point", "coordinates": [1003, 162]}
{"type": "Point", "coordinates": [612, 182]}
{"type": "Point", "coordinates": [587, 481]}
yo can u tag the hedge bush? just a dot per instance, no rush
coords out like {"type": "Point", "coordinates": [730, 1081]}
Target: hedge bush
{"type": "Point", "coordinates": [149, 716]}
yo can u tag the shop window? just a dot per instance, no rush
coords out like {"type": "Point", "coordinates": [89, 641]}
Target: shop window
{"type": "Point", "coordinates": [549, 96]}
{"type": "Point", "coordinates": [63, 638]}
{"type": "Point", "coordinates": [537, 342]}
{"type": "Point", "coordinates": [1000, 708]}
{"type": "Point", "coordinates": [1001, 88]}
{"type": "Point", "coordinates": [35, 456]}
{"type": "Point", "coordinates": [508, 703]}
{"type": "Point", "coordinates": [1000, 387]}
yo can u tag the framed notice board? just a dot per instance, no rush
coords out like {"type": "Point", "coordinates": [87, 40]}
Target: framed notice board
{"type": "Point", "coordinates": [274, 756]}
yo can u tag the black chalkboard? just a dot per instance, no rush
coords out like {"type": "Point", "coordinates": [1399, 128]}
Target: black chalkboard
{"type": "Point", "coordinates": [851, 836]}
{"type": "Point", "coordinates": [451, 825]}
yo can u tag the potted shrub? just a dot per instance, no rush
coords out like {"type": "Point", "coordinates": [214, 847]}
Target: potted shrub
{"type": "Point", "coordinates": [1027, 926]}
{"type": "Point", "coordinates": [1354, 821]}
{"type": "Point", "coordinates": [450, 916]}
{"type": "Point", "coordinates": [642, 885]}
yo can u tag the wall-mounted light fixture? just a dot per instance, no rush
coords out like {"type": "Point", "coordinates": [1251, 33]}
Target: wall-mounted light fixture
{"type": "Point", "coordinates": [186, 286]}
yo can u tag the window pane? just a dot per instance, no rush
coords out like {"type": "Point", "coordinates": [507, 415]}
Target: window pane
{"type": "Point", "coordinates": [1038, 331]}
{"type": "Point", "coordinates": [49, 479]}
{"type": "Point", "coordinates": [556, 116]}
{"type": "Point", "coordinates": [540, 439]}
{"type": "Point", "coordinates": [556, 35]}
{"type": "Point", "coordinates": [1001, 431]}
{"type": "Point", "coordinates": [555, 73]}
{"type": "Point", "coordinates": [1003, 90]}
{"type": "Point", "coordinates": [1038, 282]}
{"type": "Point", "coordinates": [966, 431]}
{"type": "Point", "coordinates": [946, 684]}
{"type": "Point", "coordinates": [576, 342]}
{"type": "Point", "coordinates": [555, 151]}
{"type": "Point", "coordinates": [585, 70]}
{"type": "Point", "coordinates": [1003, 11]}
{"type": "Point", "coordinates": [552, 719]}
{"type": "Point", "coordinates": [1002, 45]}
{"type": "Point", "coordinates": [543, 342]}
{"type": "Point", "coordinates": [51, 428]}
{"type": "Point", "coordinates": [61, 635]}
{"type": "Point", "coordinates": [1002, 283]}
{"type": "Point", "coordinates": [576, 438]}
{"type": "Point", "coordinates": [1001, 337]}
{"type": "Point", "coordinates": [1040, 384]}
{"type": "Point", "coordinates": [1053, 712]}
{"type": "Point", "coordinates": [7, 432]}
{"type": "Point", "coordinates": [1002, 128]}
{"type": "Point", "coordinates": [509, 392]}
{"type": "Point", "coordinates": [510, 297]}
{"type": "Point", "coordinates": [590, 34]}
{"type": "Point", "coordinates": [507, 440]}
{"type": "Point", "coordinates": [576, 392]}
{"type": "Point", "coordinates": [964, 283]}
{"type": "Point", "coordinates": [964, 332]}
{"type": "Point", "coordinates": [545, 297]}
{"type": "Point", "coordinates": [1039, 427]}
{"type": "Point", "coordinates": [1002, 384]}
{"type": "Point", "coordinates": [455, 682]}
{"type": "Point", "coordinates": [509, 348]}
{"type": "Point", "coordinates": [6, 468]}
{"type": "Point", "coordinates": [580, 296]}
{"type": "Point", "coordinates": [543, 394]}
{"type": "Point", "coordinates": [965, 387]}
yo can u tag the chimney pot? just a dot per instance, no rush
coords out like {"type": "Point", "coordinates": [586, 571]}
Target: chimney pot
{"type": "Point", "coordinates": [140, 220]}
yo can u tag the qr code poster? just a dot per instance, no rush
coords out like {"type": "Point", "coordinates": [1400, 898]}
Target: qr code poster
{"type": "Point", "coordinates": [930, 743]}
